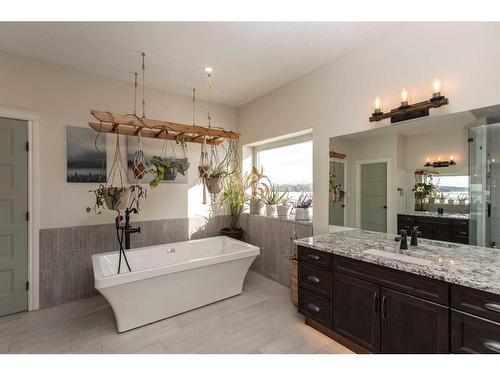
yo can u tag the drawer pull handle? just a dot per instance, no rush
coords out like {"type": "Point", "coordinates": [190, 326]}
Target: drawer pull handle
{"type": "Point", "coordinates": [313, 279]}
{"type": "Point", "coordinates": [492, 345]}
{"type": "Point", "coordinates": [313, 256]}
{"type": "Point", "coordinates": [384, 307]}
{"type": "Point", "coordinates": [463, 233]}
{"type": "Point", "coordinates": [313, 307]}
{"type": "Point", "coordinates": [492, 306]}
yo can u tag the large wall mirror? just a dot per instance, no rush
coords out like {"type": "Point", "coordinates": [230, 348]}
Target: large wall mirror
{"type": "Point", "coordinates": [438, 174]}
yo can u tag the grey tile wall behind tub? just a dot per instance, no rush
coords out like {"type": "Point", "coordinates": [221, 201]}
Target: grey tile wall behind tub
{"type": "Point", "coordinates": [274, 237]}
{"type": "Point", "coordinates": [66, 253]}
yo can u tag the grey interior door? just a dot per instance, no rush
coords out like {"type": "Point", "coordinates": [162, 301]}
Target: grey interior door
{"type": "Point", "coordinates": [13, 223]}
{"type": "Point", "coordinates": [373, 197]}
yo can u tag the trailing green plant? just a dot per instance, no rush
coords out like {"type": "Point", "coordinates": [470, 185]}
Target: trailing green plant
{"type": "Point", "coordinates": [273, 196]}
{"type": "Point", "coordinates": [305, 201]}
{"type": "Point", "coordinates": [234, 197]}
{"type": "Point", "coordinates": [182, 140]}
{"type": "Point", "coordinates": [114, 195]}
{"type": "Point", "coordinates": [99, 200]}
{"type": "Point", "coordinates": [162, 166]}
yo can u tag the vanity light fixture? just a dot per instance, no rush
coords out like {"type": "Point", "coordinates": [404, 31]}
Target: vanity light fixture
{"type": "Point", "coordinates": [410, 111]}
{"type": "Point", "coordinates": [440, 163]}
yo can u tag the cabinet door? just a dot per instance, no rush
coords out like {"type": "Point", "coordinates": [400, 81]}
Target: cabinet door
{"type": "Point", "coordinates": [412, 325]}
{"type": "Point", "coordinates": [426, 230]}
{"type": "Point", "coordinates": [470, 334]}
{"type": "Point", "coordinates": [356, 311]}
{"type": "Point", "coordinates": [441, 232]}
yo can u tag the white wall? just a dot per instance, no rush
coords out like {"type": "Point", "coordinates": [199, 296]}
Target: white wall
{"type": "Point", "coordinates": [337, 99]}
{"type": "Point", "coordinates": [64, 96]}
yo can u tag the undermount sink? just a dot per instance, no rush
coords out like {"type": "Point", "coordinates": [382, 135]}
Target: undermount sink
{"type": "Point", "coordinates": [401, 257]}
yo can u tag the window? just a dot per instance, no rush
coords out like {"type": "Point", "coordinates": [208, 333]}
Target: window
{"type": "Point", "coordinates": [452, 187]}
{"type": "Point", "coordinates": [288, 164]}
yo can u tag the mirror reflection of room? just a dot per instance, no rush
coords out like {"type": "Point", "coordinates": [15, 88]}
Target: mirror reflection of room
{"type": "Point", "coordinates": [436, 175]}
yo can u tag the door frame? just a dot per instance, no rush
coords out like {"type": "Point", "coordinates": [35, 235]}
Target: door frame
{"type": "Point", "coordinates": [359, 163]}
{"type": "Point", "coordinates": [33, 124]}
{"type": "Point", "coordinates": [343, 161]}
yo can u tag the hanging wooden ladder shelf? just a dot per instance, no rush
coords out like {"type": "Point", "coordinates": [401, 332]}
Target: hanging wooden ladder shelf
{"type": "Point", "coordinates": [132, 125]}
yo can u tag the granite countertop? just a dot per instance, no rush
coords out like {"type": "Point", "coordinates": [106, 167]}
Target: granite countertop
{"type": "Point", "coordinates": [470, 266]}
{"type": "Point", "coordinates": [445, 215]}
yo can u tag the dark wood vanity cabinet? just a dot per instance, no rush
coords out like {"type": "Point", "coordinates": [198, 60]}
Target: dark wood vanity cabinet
{"type": "Point", "coordinates": [437, 228]}
{"type": "Point", "coordinates": [382, 310]}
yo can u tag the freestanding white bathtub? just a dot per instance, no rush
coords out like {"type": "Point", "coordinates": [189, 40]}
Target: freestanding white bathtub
{"type": "Point", "coordinates": [171, 278]}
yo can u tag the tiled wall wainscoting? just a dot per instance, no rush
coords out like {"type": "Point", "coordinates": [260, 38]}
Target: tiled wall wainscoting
{"type": "Point", "coordinates": [274, 237]}
{"type": "Point", "coordinates": [65, 253]}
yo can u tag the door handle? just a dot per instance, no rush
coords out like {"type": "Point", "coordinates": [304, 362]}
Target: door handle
{"type": "Point", "coordinates": [313, 279]}
{"type": "Point", "coordinates": [492, 345]}
{"type": "Point", "coordinates": [313, 307]}
{"type": "Point", "coordinates": [375, 303]}
{"type": "Point", "coordinates": [384, 307]}
{"type": "Point", "coordinates": [313, 256]}
{"type": "Point", "coordinates": [492, 306]}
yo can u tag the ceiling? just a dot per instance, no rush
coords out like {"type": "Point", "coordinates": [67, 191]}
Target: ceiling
{"type": "Point", "coordinates": [248, 58]}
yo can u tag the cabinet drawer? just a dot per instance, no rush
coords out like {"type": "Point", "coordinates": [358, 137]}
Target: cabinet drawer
{"type": "Point", "coordinates": [483, 304]}
{"type": "Point", "coordinates": [319, 258]}
{"type": "Point", "coordinates": [459, 230]}
{"type": "Point", "coordinates": [470, 334]}
{"type": "Point", "coordinates": [316, 279]}
{"type": "Point", "coordinates": [315, 307]}
{"type": "Point", "coordinates": [463, 222]}
{"type": "Point", "coordinates": [415, 285]}
{"type": "Point", "coordinates": [432, 220]}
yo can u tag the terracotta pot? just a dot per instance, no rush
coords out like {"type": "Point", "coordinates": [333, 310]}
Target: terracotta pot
{"type": "Point", "coordinates": [255, 206]}
{"type": "Point", "coordinates": [117, 198]}
{"type": "Point", "coordinates": [214, 184]}
{"type": "Point", "coordinates": [303, 214]}
{"type": "Point", "coordinates": [139, 171]}
{"type": "Point", "coordinates": [235, 233]}
{"type": "Point", "coordinates": [283, 211]}
{"type": "Point", "coordinates": [271, 210]}
{"type": "Point", "coordinates": [203, 170]}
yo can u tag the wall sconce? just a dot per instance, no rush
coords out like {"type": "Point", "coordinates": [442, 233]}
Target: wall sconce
{"type": "Point", "coordinates": [410, 111]}
{"type": "Point", "coordinates": [440, 163]}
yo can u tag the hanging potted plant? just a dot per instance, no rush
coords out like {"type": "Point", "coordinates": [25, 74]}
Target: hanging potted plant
{"type": "Point", "coordinates": [234, 197]}
{"type": "Point", "coordinates": [336, 192]}
{"type": "Point", "coordinates": [258, 184]}
{"type": "Point", "coordinates": [271, 198]}
{"type": "Point", "coordinates": [214, 179]}
{"type": "Point", "coordinates": [283, 208]}
{"type": "Point", "coordinates": [303, 207]}
{"type": "Point", "coordinates": [116, 197]}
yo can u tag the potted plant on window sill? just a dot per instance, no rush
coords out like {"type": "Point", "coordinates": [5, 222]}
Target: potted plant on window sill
{"type": "Point", "coordinates": [283, 207]}
{"type": "Point", "coordinates": [303, 207]}
{"type": "Point", "coordinates": [271, 198]}
{"type": "Point", "coordinates": [258, 184]}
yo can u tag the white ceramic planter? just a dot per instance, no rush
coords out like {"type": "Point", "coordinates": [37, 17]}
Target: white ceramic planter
{"type": "Point", "coordinates": [271, 210]}
{"type": "Point", "coordinates": [255, 206]}
{"type": "Point", "coordinates": [283, 211]}
{"type": "Point", "coordinates": [304, 214]}
{"type": "Point", "coordinates": [451, 202]}
{"type": "Point", "coordinates": [115, 200]}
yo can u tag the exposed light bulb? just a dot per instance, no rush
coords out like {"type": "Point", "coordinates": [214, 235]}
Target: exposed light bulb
{"type": "Point", "coordinates": [404, 95]}
{"type": "Point", "coordinates": [451, 157]}
{"type": "Point", "coordinates": [208, 69]}
{"type": "Point", "coordinates": [439, 158]}
{"type": "Point", "coordinates": [436, 86]}
{"type": "Point", "coordinates": [428, 160]}
{"type": "Point", "coordinates": [377, 103]}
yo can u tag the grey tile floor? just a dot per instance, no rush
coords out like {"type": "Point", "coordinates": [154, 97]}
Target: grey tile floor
{"type": "Point", "coordinates": [260, 320]}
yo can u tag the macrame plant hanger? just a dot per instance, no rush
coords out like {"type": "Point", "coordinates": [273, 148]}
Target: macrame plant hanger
{"type": "Point", "coordinates": [203, 165]}
{"type": "Point", "coordinates": [139, 167]}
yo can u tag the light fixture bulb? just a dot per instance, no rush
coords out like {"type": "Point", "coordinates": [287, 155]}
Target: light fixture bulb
{"type": "Point", "coordinates": [377, 103]}
{"type": "Point", "coordinates": [439, 158]}
{"type": "Point", "coordinates": [436, 86]}
{"type": "Point", "coordinates": [404, 95]}
{"type": "Point", "coordinates": [208, 69]}
{"type": "Point", "coordinates": [451, 157]}
{"type": "Point", "coordinates": [428, 160]}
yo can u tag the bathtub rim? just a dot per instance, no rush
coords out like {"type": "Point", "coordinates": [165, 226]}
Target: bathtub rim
{"type": "Point", "coordinates": [101, 281]}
